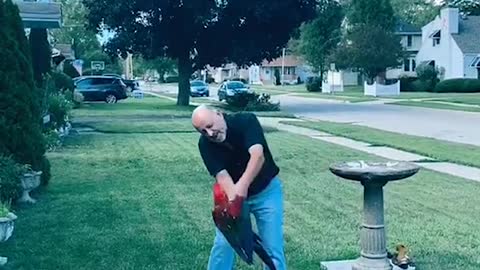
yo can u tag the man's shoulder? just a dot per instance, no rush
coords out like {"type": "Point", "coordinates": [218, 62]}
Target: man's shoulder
{"type": "Point", "coordinates": [242, 117]}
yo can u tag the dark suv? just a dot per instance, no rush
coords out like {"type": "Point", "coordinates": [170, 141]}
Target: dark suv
{"type": "Point", "coordinates": [101, 88]}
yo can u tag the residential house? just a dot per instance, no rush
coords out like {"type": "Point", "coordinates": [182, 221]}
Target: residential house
{"type": "Point", "coordinates": [294, 69]}
{"type": "Point", "coordinates": [40, 14]}
{"type": "Point", "coordinates": [228, 72]}
{"type": "Point", "coordinates": [451, 42]}
{"type": "Point", "coordinates": [411, 40]}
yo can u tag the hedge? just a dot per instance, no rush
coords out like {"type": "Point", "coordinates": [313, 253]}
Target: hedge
{"type": "Point", "coordinates": [461, 85]}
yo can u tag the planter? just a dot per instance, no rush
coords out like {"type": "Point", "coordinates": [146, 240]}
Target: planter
{"type": "Point", "coordinates": [6, 231]}
{"type": "Point", "coordinates": [30, 181]}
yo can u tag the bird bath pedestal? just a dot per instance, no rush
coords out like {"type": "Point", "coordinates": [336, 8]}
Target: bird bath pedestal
{"type": "Point", "coordinates": [373, 176]}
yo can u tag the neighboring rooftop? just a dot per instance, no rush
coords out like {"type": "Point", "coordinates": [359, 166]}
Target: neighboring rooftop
{"type": "Point", "coordinates": [290, 61]}
{"type": "Point", "coordinates": [468, 38]}
{"type": "Point", "coordinates": [403, 27]}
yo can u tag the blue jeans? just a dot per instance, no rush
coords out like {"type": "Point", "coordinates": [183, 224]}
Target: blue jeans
{"type": "Point", "coordinates": [267, 208]}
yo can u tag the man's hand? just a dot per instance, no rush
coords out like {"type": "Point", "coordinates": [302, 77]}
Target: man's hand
{"type": "Point", "coordinates": [241, 189]}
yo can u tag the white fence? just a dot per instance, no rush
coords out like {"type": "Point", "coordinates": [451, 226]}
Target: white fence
{"type": "Point", "coordinates": [334, 82]}
{"type": "Point", "coordinates": [376, 89]}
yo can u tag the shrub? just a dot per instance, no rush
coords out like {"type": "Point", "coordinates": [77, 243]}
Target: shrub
{"type": "Point", "coordinates": [428, 75]}
{"type": "Point", "coordinates": [277, 77]}
{"type": "Point", "coordinates": [59, 108]}
{"type": "Point", "coordinates": [262, 103]}
{"type": "Point", "coordinates": [20, 116]}
{"type": "Point", "coordinates": [62, 81]}
{"type": "Point", "coordinates": [253, 102]}
{"type": "Point", "coordinates": [10, 183]}
{"type": "Point", "coordinates": [458, 85]}
{"type": "Point", "coordinates": [314, 84]}
{"type": "Point", "coordinates": [406, 83]}
{"type": "Point", "coordinates": [421, 86]}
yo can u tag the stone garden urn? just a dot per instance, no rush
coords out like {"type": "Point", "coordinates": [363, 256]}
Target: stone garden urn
{"type": "Point", "coordinates": [6, 230]}
{"type": "Point", "coordinates": [373, 176]}
{"type": "Point", "coordinates": [30, 181]}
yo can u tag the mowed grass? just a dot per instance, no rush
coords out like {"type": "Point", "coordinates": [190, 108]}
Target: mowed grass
{"type": "Point", "coordinates": [143, 201]}
{"type": "Point", "coordinates": [441, 150]}
{"type": "Point", "coordinates": [148, 106]}
{"type": "Point", "coordinates": [437, 105]}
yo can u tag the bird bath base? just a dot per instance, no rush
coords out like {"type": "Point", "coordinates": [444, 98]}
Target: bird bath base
{"type": "Point", "coordinates": [373, 176]}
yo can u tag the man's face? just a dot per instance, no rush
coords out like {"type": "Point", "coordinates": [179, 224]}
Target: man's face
{"type": "Point", "coordinates": [212, 125]}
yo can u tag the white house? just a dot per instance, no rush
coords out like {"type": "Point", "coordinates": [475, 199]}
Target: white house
{"type": "Point", "coordinates": [411, 40]}
{"type": "Point", "coordinates": [451, 42]}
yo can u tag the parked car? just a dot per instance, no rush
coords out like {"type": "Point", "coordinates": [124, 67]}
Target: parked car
{"type": "Point", "coordinates": [199, 88]}
{"type": "Point", "coordinates": [229, 89]}
{"type": "Point", "coordinates": [101, 88]}
{"type": "Point", "coordinates": [131, 84]}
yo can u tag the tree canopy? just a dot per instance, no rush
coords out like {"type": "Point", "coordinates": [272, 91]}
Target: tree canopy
{"type": "Point", "coordinates": [200, 32]}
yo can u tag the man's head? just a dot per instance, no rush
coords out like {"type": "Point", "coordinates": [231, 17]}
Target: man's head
{"type": "Point", "coordinates": [210, 123]}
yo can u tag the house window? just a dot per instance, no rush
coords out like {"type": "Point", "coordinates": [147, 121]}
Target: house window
{"type": "Point", "coordinates": [476, 62]}
{"type": "Point", "coordinates": [409, 41]}
{"type": "Point", "coordinates": [406, 65]}
{"type": "Point", "coordinates": [436, 36]}
{"type": "Point", "coordinates": [409, 65]}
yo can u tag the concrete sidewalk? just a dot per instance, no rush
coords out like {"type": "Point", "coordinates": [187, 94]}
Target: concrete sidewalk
{"type": "Point", "coordinates": [467, 172]}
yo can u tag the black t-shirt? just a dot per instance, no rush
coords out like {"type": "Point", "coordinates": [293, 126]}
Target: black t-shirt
{"type": "Point", "coordinates": [243, 131]}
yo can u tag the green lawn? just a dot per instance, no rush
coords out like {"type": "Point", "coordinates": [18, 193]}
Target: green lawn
{"type": "Point", "coordinates": [143, 201]}
{"type": "Point", "coordinates": [438, 149]}
{"type": "Point", "coordinates": [469, 99]}
{"type": "Point", "coordinates": [337, 96]}
{"type": "Point", "coordinates": [436, 105]}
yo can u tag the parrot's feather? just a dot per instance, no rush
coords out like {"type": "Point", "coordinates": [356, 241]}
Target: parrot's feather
{"type": "Point", "coordinates": [233, 221]}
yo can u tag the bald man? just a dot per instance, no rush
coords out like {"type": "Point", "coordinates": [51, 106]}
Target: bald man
{"type": "Point", "coordinates": [236, 154]}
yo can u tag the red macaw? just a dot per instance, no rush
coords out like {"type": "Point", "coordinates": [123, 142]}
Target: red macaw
{"type": "Point", "coordinates": [232, 218]}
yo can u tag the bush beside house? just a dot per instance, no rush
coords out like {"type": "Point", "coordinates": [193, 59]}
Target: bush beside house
{"type": "Point", "coordinates": [460, 85]}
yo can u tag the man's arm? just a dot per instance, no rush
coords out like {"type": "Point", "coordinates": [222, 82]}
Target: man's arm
{"type": "Point", "coordinates": [226, 182]}
{"type": "Point", "coordinates": [254, 166]}
{"type": "Point", "coordinates": [253, 140]}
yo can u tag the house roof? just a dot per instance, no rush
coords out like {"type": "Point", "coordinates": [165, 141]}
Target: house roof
{"type": "Point", "coordinates": [40, 14]}
{"type": "Point", "coordinates": [404, 27]}
{"type": "Point", "coordinates": [290, 61]}
{"type": "Point", "coordinates": [468, 38]}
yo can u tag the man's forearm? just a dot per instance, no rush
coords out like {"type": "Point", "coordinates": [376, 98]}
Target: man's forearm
{"type": "Point", "coordinates": [254, 166]}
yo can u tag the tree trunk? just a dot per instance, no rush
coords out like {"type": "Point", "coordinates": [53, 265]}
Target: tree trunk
{"type": "Point", "coordinates": [184, 73]}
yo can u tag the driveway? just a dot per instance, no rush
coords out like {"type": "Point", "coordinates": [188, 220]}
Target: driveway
{"type": "Point", "coordinates": [456, 126]}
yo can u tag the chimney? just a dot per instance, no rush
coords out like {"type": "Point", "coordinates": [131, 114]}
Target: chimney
{"type": "Point", "coordinates": [450, 19]}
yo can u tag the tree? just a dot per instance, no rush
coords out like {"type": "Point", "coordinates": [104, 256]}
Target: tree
{"type": "Point", "coordinates": [321, 35]}
{"type": "Point", "coordinates": [370, 44]}
{"type": "Point", "coordinates": [416, 12]}
{"type": "Point", "coordinates": [199, 32]}
{"type": "Point", "coordinates": [468, 7]}
{"type": "Point", "coordinates": [20, 115]}
{"type": "Point", "coordinates": [162, 65]}
{"type": "Point", "coordinates": [41, 54]}
{"type": "Point", "coordinates": [75, 31]}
